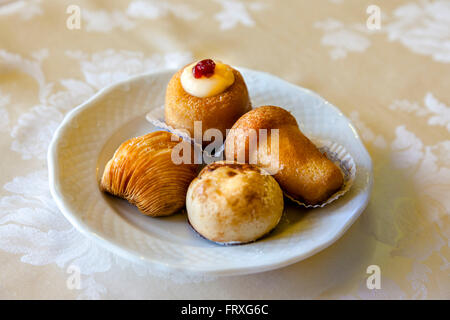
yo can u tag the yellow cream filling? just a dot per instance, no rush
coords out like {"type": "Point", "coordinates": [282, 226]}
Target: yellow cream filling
{"type": "Point", "coordinates": [203, 87]}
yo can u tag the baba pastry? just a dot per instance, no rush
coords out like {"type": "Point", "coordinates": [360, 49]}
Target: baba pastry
{"type": "Point", "coordinates": [143, 172]}
{"type": "Point", "coordinates": [231, 203]}
{"type": "Point", "coordinates": [303, 172]}
{"type": "Point", "coordinates": [208, 91]}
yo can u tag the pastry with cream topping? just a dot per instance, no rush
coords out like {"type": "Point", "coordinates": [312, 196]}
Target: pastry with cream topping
{"type": "Point", "coordinates": [208, 91]}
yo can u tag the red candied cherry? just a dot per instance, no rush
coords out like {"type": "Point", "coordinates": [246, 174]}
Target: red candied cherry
{"type": "Point", "coordinates": [204, 68]}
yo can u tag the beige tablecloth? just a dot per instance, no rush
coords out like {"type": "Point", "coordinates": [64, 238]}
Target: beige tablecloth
{"type": "Point", "coordinates": [392, 82]}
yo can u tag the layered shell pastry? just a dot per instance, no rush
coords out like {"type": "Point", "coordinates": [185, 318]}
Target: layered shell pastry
{"type": "Point", "coordinates": [233, 201]}
{"type": "Point", "coordinates": [142, 172]}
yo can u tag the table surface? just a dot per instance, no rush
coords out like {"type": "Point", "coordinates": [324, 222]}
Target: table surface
{"type": "Point", "coordinates": [392, 82]}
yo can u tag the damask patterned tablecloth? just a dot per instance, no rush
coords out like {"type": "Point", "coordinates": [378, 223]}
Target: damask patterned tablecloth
{"type": "Point", "coordinates": [391, 79]}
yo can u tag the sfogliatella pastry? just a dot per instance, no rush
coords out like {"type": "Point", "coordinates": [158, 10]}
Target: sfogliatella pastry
{"type": "Point", "coordinates": [143, 172]}
{"type": "Point", "coordinates": [303, 172]}
{"type": "Point", "coordinates": [231, 203]}
{"type": "Point", "coordinates": [207, 91]}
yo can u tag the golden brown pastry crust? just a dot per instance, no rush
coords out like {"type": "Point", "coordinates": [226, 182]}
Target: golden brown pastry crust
{"type": "Point", "coordinates": [220, 111]}
{"type": "Point", "coordinates": [305, 173]}
{"type": "Point", "coordinates": [142, 171]}
{"type": "Point", "coordinates": [233, 203]}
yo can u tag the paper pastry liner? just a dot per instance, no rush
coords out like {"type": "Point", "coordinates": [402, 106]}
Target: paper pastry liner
{"type": "Point", "coordinates": [332, 150]}
{"type": "Point", "coordinates": [343, 159]}
{"type": "Point", "coordinates": [156, 117]}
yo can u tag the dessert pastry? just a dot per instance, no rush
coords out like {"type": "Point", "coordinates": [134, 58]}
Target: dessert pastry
{"type": "Point", "coordinates": [207, 91]}
{"type": "Point", "coordinates": [232, 203]}
{"type": "Point", "coordinates": [303, 172]}
{"type": "Point", "coordinates": [143, 172]}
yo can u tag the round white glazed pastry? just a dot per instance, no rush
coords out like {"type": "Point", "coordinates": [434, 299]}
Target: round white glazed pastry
{"type": "Point", "coordinates": [207, 86]}
{"type": "Point", "coordinates": [231, 203]}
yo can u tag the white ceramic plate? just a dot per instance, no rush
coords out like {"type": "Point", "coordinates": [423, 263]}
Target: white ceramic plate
{"type": "Point", "coordinates": [89, 135]}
